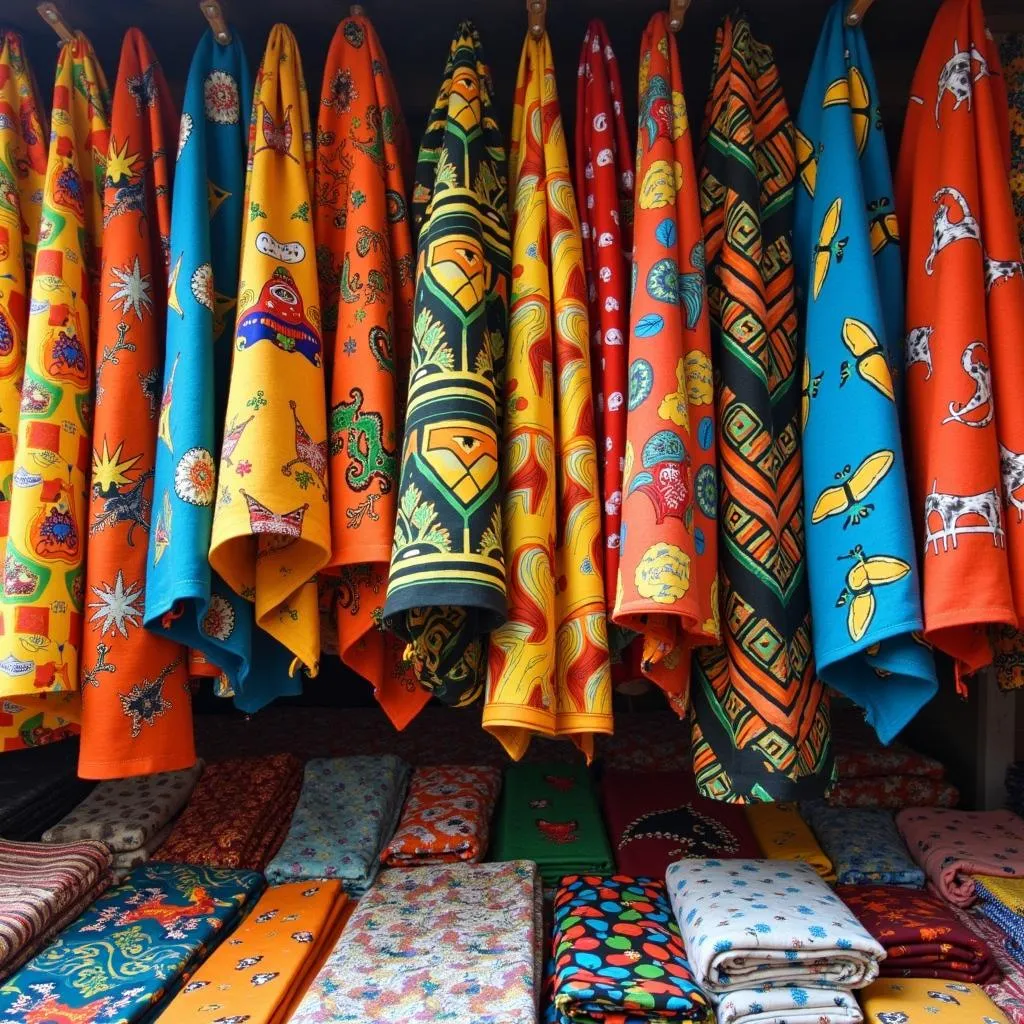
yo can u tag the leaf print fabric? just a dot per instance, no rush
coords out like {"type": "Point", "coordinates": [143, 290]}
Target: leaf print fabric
{"type": "Point", "coordinates": [865, 597]}
{"type": "Point", "coordinates": [667, 571]}
{"type": "Point", "coordinates": [548, 669]}
{"type": "Point", "coordinates": [365, 264]}
{"type": "Point", "coordinates": [271, 524]}
{"type": "Point", "coordinates": [446, 588]}
{"type": "Point", "coordinates": [965, 300]}
{"type": "Point", "coordinates": [783, 835]}
{"type": "Point", "coordinates": [918, 1000]}
{"type": "Point", "coordinates": [761, 715]}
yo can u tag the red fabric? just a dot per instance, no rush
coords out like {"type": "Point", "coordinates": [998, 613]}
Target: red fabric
{"type": "Point", "coordinates": [894, 792]}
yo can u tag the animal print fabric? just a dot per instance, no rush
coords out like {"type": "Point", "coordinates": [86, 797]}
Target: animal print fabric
{"type": "Point", "coordinates": [921, 1001]}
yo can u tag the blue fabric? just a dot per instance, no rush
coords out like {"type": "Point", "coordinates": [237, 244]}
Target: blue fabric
{"type": "Point", "coordinates": [1010, 922]}
{"type": "Point", "coordinates": [185, 599]}
{"type": "Point", "coordinates": [862, 564]}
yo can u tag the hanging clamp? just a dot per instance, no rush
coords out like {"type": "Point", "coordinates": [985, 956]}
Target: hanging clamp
{"type": "Point", "coordinates": [856, 10]}
{"type": "Point", "coordinates": [536, 11]}
{"type": "Point", "coordinates": [214, 14]}
{"type": "Point", "coordinates": [49, 13]}
{"type": "Point", "coordinates": [677, 14]}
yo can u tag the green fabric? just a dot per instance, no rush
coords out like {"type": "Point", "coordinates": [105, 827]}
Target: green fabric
{"type": "Point", "coordinates": [549, 814]}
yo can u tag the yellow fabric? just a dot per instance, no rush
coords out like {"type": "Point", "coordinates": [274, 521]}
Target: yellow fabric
{"type": "Point", "coordinates": [548, 667]}
{"type": "Point", "coordinates": [924, 1000]}
{"type": "Point", "coordinates": [271, 527]}
{"type": "Point", "coordinates": [783, 835]}
{"type": "Point", "coordinates": [1009, 891]}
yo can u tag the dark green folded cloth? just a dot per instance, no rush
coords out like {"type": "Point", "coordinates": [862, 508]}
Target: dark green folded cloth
{"type": "Point", "coordinates": [549, 814]}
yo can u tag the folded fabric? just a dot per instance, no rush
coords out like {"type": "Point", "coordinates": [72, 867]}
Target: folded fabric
{"type": "Point", "coordinates": [1001, 900]}
{"type": "Point", "coordinates": [347, 811]}
{"type": "Point", "coordinates": [238, 810]}
{"type": "Point", "coordinates": [128, 859]}
{"type": "Point", "coordinates": [619, 954]}
{"type": "Point", "coordinates": [454, 942]}
{"type": "Point", "coordinates": [864, 845]}
{"type": "Point", "coordinates": [38, 786]}
{"type": "Point", "coordinates": [1007, 992]}
{"type": "Point", "coordinates": [859, 755]}
{"type": "Point", "coordinates": [952, 846]}
{"type": "Point", "coordinates": [894, 792]}
{"type": "Point", "coordinates": [921, 935]}
{"type": "Point", "coordinates": [655, 818]}
{"type": "Point", "coordinates": [788, 1004]}
{"type": "Point", "coordinates": [549, 814]}
{"type": "Point", "coordinates": [262, 973]}
{"type": "Point", "coordinates": [127, 813]}
{"type": "Point", "coordinates": [783, 835]}
{"type": "Point", "coordinates": [916, 1000]}
{"type": "Point", "coordinates": [131, 948]}
{"type": "Point", "coordinates": [747, 923]}
{"type": "Point", "coordinates": [447, 816]}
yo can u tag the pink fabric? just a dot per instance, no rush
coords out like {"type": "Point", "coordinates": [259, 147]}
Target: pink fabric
{"type": "Point", "coordinates": [952, 845]}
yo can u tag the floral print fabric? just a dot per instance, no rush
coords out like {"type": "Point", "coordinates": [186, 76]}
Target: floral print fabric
{"type": "Point", "coordinates": [787, 1004]}
{"type": "Point", "coordinates": [783, 835]}
{"type": "Point", "coordinates": [918, 1000]}
{"type": "Point", "coordinates": [894, 792]}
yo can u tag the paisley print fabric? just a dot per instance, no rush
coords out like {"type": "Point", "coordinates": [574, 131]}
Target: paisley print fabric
{"type": "Point", "coordinates": [548, 669]}
{"type": "Point", "coordinates": [43, 599]}
{"type": "Point", "coordinates": [965, 296]}
{"type": "Point", "coordinates": [783, 835]}
{"type": "Point", "coordinates": [862, 563]}
{"type": "Point", "coordinates": [1011, 50]}
{"type": "Point", "coordinates": [761, 716]}
{"type": "Point", "coordinates": [271, 524]}
{"type": "Point", "coordinates": [667, 572]}
{"type": "Point", "coordinates": [618, 954]}
{"type": "Point", "coordinates": [365, 263]}
{"type": "Point", "coordinates": [446, 588]}
{"type": "Point", "coordinates": [446, 818]}
{"type": "Point", "coordinates": [918, 1000]}
{"type": "Point", "coordinates": [121, 959]}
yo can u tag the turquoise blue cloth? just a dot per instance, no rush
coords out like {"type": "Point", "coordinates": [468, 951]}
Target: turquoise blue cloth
{"type": "Point", "coordinates": [185, 599]}
{"type": "Point", "coordinates": [861, 558]}
{"type": "Point", "coordinates": [347, 812]}
{"type": "Point", "coordinates": [128, 953]}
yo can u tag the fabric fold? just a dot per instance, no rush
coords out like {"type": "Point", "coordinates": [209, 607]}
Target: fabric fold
{"type": "Point", "coordinates": [916, 1000]}
{"type": "Point", "coordinates": [783, 834]}
{"type": "Point", "coordinates": [1007, 992]}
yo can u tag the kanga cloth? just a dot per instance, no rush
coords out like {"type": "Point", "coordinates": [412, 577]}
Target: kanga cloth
{"type": "Point", "coordinates": [347, 812]}
{"type": "Point", "coordinates": [1011, 51]}
{"type": "Point", "coordinates": [548, 670]}
{"type": "Point", "coordinates": [262, 972]}
{"type": "Point", "coordinates": [783, 835]}
{"type": "Point", "coordinates": [919, 1000]}
{"type": "Point", "coordinates": [922, 936]}
{"type": "Point", "coordinates": [40, 885]}
{"type": "Point", "coordinates": [1002, 901]}
{"type": "Point", "coordinates": [655, 818]}
{"type": "Point", "coordinates": [238, 810]}
{"type": "Point", "coordinates": [864, 845]}
{"type": "Point", "coordinates": [618, 954]}
{"type": "Point", "coordinates": [604, 180]}
{"type": "Point", "coordinates": [446, 588]}
{"type": "Point", "coordinates": [668, 584]}
{"type": "Point", "coordinates": [451, 941]}
{"type": "Point", "coordinates": [271, 524]}
{"type": "Point", "coordinates": [1007, 992]}
{"type": "Point", "coordinates": [366, 267]}
{"type": "Point", "coordinates": [761, 715]}
{"type": "Point", "coordinates": [38, 786]}
{"type": "Point", "coordinates": [136, 705]}
{"type": "Point", "coordinates": [127, 813]}
{"type": "Point", "coordinates": [132, 948]}
{"type": "Point", "coordinates": [952, 846]}
{"type": "Point", "coordinates": [446, 817]}
{"type": "Point", "coordinates": [861, 557]}
{"type": "Point", "coordinates": [42, 601]}
{"type": "Point", "coordinates": [965, 302]}
{"type": "Point", "coordinates": [549, 814]}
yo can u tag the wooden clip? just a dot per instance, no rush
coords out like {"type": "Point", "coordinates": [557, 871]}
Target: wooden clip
{"type": "Point", "coordinates": [49, 13]}
{"type": "Point", "coordinates": [536, 10]}
{"type": "Point", "coordinates": [214, 14]}
{"type": "Point", "coordinates": [856, 10]}
{"type": "Point", "coordinates": [676, 14]}
{"type": "Point", "coordinates": [356, 11]}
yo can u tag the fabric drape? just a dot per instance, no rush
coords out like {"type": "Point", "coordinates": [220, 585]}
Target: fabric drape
{"type": "Point", "coordinates": [366, 269]}
{"type": "Point", "coordinates": [668, 556]}
{"type": "Point", "coordinates": [271, 524]}
{"type": "Point", "coordinates": [965, 304]}
{"type": "Point", "coordinates": [761, 715]}
{"type": "Point", "coordinates": [42, 602]}
{"type": "Point", "coordinates": [548, 669]}
{"type": "Point", "coordinates": [446, 587]}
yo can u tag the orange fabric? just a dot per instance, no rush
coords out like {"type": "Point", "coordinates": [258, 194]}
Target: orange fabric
{"type": "Point", "coordinates": [965, 357]}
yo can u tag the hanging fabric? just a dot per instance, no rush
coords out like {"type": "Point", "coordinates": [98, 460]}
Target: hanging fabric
{"type": "Point", "coordinates": [965, 305]}
{"type": "Point", "coordinates": [365, 260]}
{"type": "Point", "coordinates": [604, 197]}
{"type": "Point", "coordinates": [446, 589]}
{"type": "Point", "coordinates": [43, 595]}
{"type": "Point", "coordinates": [1011, 51]}
{"type": "Point", "coordinates": [861, 561]}
{"type": "Point", "coordinates": [136, 705]}
{"type": "Point", "coordinates": [271, 524]}
{"type": "Point", "coordinates": [548, 667]}
{"type": "Point", "coordinates": [761, 719]}
{"type": "Point", "coordinates": [668, 588]}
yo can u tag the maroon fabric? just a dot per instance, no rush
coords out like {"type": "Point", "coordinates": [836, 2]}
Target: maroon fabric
{"type": "Point", "coordinates": [894, 792]}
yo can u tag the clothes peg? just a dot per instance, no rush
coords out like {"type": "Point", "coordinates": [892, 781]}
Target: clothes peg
{"type": "Point", "coordinates": [49, 13]}
{"type": "Point", "coordinates": [356, 11]}
{"type": "Point", "coordinates": [214, 14]}
{"type": "Point", "coordinates": [676, 14]}
{"type": "Point", "coordinates": [536, 11]}
{"type": "Point", "coordinates": [856, 10]}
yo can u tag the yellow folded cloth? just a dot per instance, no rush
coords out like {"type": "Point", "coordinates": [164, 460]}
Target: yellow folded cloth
{"type": "Point", "coordinates": [919, 1000]}
{"type": "Point", "coordinates": [783, 835]}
